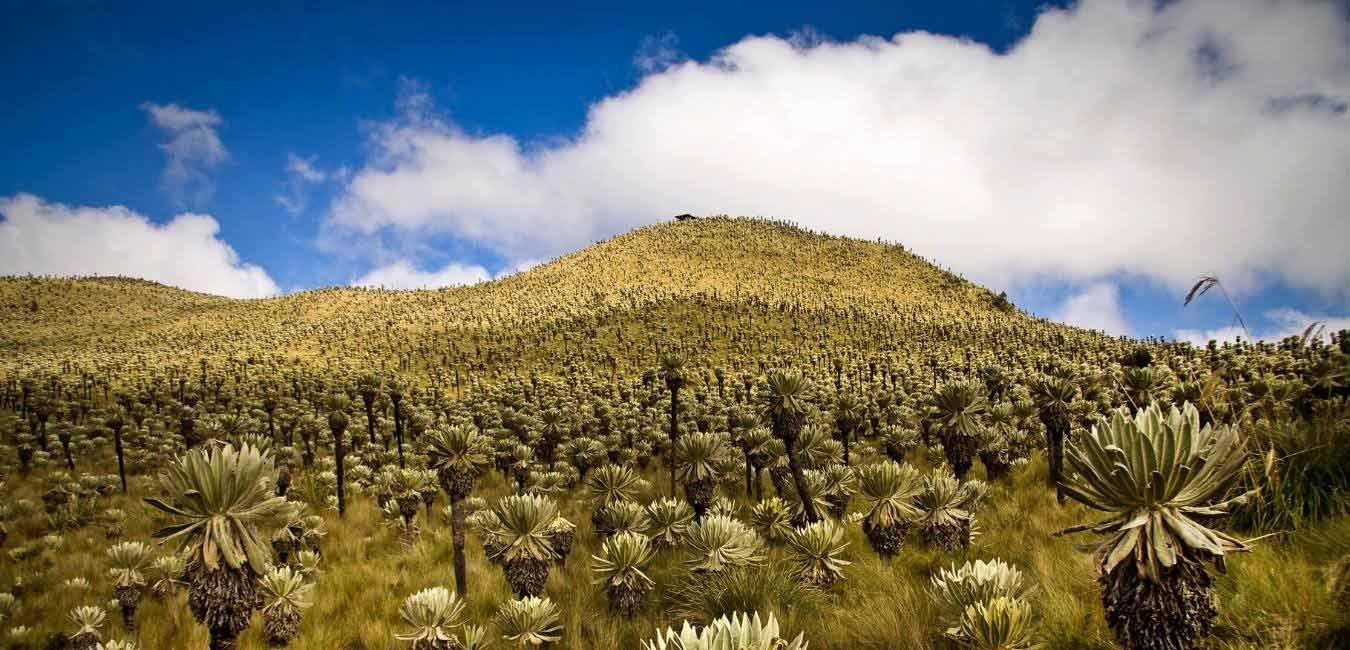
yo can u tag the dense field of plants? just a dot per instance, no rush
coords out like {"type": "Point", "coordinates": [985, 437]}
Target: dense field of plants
{"type": "Point", "coordinates": [723, 433]}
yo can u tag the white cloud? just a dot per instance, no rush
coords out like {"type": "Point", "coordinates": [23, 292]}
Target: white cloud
{"type": "Point", "coordinates": [1116, 138]}
{"type": "Point", "coordinates": [303, 168]}
{"type": "Point", "coordinates": [193, 150]}
{"type": "Point", "coordinates": [300, 174]}
{"type": "Point", "coordinates": [402, 275]}
{"type": "Point", "coordinates": [1292, 322]}
{"type": "Point", "coordinates": [1096, 308]}
{"type": "Point", "coordinates": [1283, 322]}
{"type": "Point", "coordinates": [1202, 338]}
{"type": "Point", "coordinates": [658, 53]}
{"type": "Point", "coordinates": [177, 119]}
{"type": "Point", "coordinates": [53, 239]}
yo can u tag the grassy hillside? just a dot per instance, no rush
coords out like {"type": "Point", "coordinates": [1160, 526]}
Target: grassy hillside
{"type": "Point", "coordinates": [643, 354]}
{"type": "Point", "coordinates": [725, 288]}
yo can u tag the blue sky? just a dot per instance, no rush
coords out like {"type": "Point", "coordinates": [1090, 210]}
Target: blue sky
{"type": "Point", "coordinates": [445, 142]}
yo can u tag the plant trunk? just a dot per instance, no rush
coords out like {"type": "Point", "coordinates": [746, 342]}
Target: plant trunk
{"type": "Point", "coordinates": [526, 575]}
{"type": "Point", "coordinates": [625, 600]}
{"type": "Point", "coordinates": [121, 463]}
{"type": "Point", "coordinates": [1054, 432]}
{"type": "Point", "coordinates": [674, 434]}
{"type": "Point", "coordinates": [85, 641]}
{"type": "Point", "coordinates": [1175, 614]}
{"type": "Point", "coordinates": [799, 479]}
{"type": "Point", "coordinates": [457, 537]}
{"type": "Point", "coordinates": [398, 433]}
{"type": "Point", "coordinates": [749, 478]}
{"type": "Point", "coordinates": [370, 419]}
{"type": "Point", "coordinates": [128, 598]}
{"type": "Point", "coordinates": [223, 600]}
{"type": "Point", "coordinates": [341, 492]}
{"type": "Point", "coordinates": [886, 540]}
{"type": "Point", "coordinates": [960, 450]}
{"type": "Point", "coordinates": [280, 625]}
{"type": "Point", "coordinates": [700, 494]}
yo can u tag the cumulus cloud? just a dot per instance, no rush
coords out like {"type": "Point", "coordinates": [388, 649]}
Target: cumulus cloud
{"type": "Point", "coordinates": [1282, 323]}
{"type": "Point", "coordinates": [192, 151]}
{"type": "Point", "coordinates": [1289, 322]}
{"type": "Point", "coordinates": [402, 274]}
{"type": "Point", "coordinates": [53, 239]}
{"type": "Point", "coordinates": [1152, 140]}
{"type": "Point", "coordinates": [301, 173]}
{"type": "Point", "coordinates": [1096, 307]}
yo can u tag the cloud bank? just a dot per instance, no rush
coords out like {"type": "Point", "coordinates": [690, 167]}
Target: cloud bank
{"type": "Point", "coordinates": [1096, 308]}
{"type": "Point", "coordinates": [402, 274]}
{"type": "Point", "coordinates": [1117, 138]}
{"type": "Point", "coordinates": [1284, 322]}
{"type": "Point", "coordinates": [192, 151]}
{"type": "Point", "coordinates": [52, 239]}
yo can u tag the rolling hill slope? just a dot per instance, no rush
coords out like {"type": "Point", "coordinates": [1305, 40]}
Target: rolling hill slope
{"type": "Point", "coordinates": [733, 290]}
{"type": "Point", "coordinates": [550, 380]}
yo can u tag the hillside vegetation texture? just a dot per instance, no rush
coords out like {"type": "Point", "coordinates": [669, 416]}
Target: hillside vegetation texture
{"type": "Point", "coordinates": [718, 433]}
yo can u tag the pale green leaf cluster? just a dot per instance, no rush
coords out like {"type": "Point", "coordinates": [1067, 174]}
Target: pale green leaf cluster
{"type": "Point", "coordinates": [285, 588]}
{"type": "Point", "coordinates": [308, 561]}
{"type": "Point", "coordinates": [772, 517]}
{"type": "Point", "coordinates": [888, 490]}
{"type": "Point", "coordinates": [613, 483]}
{"type": "Point", "coordinates": [402, 482]}
{"type": "Point", "coordinates": [816, 549]}
{"type": "Point", "coordinates": [959, 407]}
{"type": "Point", "coordinates": [945, 501]}
{"type": "Point", "coordinates": [87, 619]}
{"type": "Point", "coordinates": [460, 449]}
{"type": "Point", "coordinates": [697, 456]}
{"type": "Point", "coordinates": [670, 520]}
{"type": "Point", "coordinates": [983, 605]}
{"type": "Point", "coordinates": [740, 631]}
{"type": "Point", "coordinates": [432, 614]}
{"type": "Point", "coordinates": [719, 542]}
{"type": "Point", "coordinates": [128, 560]}
{"type": "Point", "coordinates": [621, 561]}
{"type": "Point", "coordinates": [785, 394]}
{"type": "Point", "coordinates": [530, 621]}
{"type": "Point", "coordinates": [218, 498]}
{"type": "Point", "coordinates": [1001, 623]}
{"type": "Point", "coordinates": [626, 516]}
{"type": "Point", "coordinates": [521, 524]}
{"type": "Point", "coordinates": [1153, 473]}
